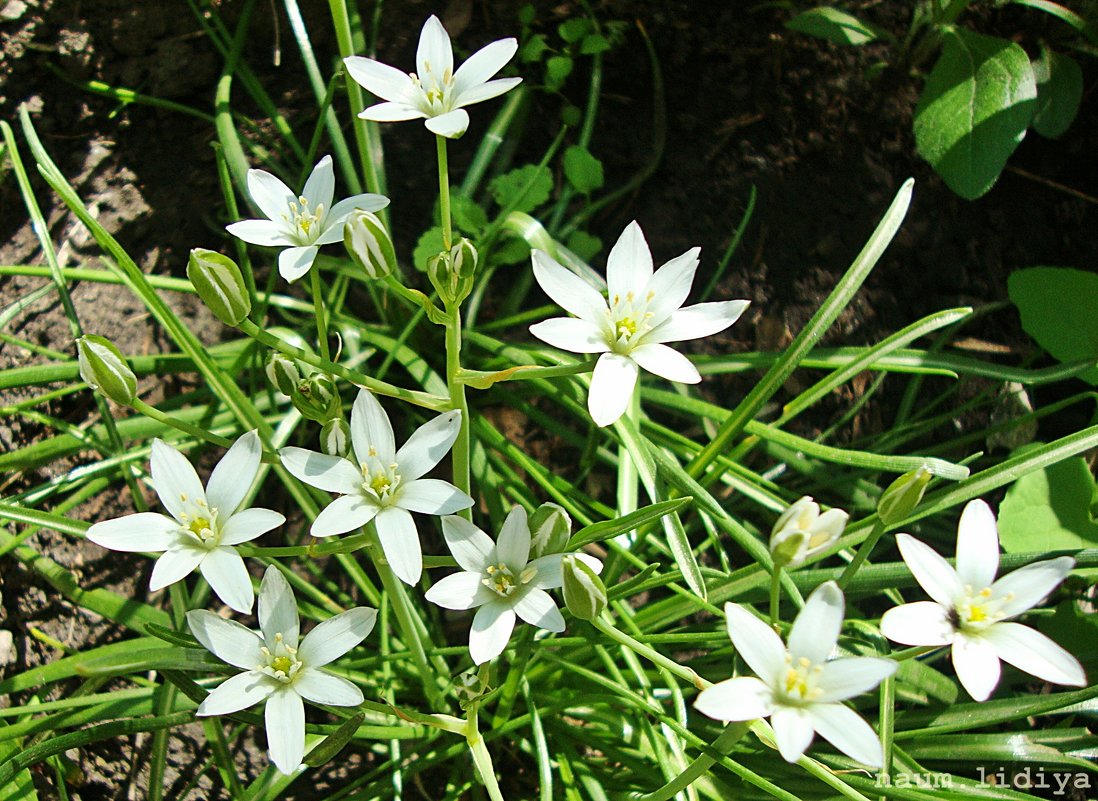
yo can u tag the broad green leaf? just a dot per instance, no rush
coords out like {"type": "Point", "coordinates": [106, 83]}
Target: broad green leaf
{"type": "Point", "coordinates": [1057, 308]}
{"type": "Point", "coordinates": [584, 245]}
{"type": "Point", "coordinates": [834, 25]}
{"type": "Point", "coordinates": [594, 43]}
{"type": "Point", "coordinates": [574, 29]}
{"type": "Point", "coordinates": [511, 250]}
{"type": "Point", "coordinates": [468, 216]}
{"type": "Point", "coordinates": [582, 170]}
{"type": "Point", "coordinates": [1075, 630]}
{"type": "Point", "coordinates": [20, 788]}
{"type": "Point", "coordinates": [1059, 92]}
{"type": "Point", "coordinates": [429, 244]}
{"type": "Point", "coordinates": [975, 108]}
{"type": "Point", "coordinates": [1050, 510]}
{"type": "Point", "coordinates": [533, 48]}
{"type": "Point", "coordinates": [557, 70]}
{"type": "Point", "coordinates": [522, 189]}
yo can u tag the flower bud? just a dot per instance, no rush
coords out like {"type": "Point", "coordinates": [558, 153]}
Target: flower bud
{"type": "Point", "coordinates": [550, 529]}
{"type": "Point", "coordinates": [335, 437]}
{"type": "Point", "coordinates": [104, 369]}
{"type": "Point", "coordinates": [315, 397]}
{"type": "Point", "coordinates": [219, 283]}
{"type": "Point", "coordinates": [902, 496]}
{"type": "Point", "coordinates": [802, 531]}
{"type": "Point", "coordinates": [452, 272]}
{"type": "Point", "coordinates": [584, 592]}
{"type": "Point", "coordinates": [368, 243]}
{"type": "Point", "coordinates": [282, 372]}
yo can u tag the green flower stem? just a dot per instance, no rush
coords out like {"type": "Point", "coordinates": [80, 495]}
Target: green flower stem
{"type": "Point", "coordinates": [423, 399]}
{"type": "Point", "coordinates": [406, 617]}
{"type": "Point", "coordinates": [866, 548]}
{"type": "Point", "coordinates": [459, 455]}
{"type": "Point", "coordinates": [321, 316]}
{"type": "Point", "coordinates": [187, 428]}
{"type": "Point", "coordinates": [481, 758]}
{"type": "Point", "coordinates": [628, 478]}
{"type": "Point", "coordinates": [444, 192]}
{"type": "Point", "coordinates": [721, 746]}
{"type": "Point", "coordinates": [515, 672]}
{"type": "Point", "coordinates": [887, 724]}
{"type": "Point", "coordinates": [775, 594]}
{"type": "Point", "coordinates": [652, 655]}
{"type": "Point", "coordinates": [482, 379]}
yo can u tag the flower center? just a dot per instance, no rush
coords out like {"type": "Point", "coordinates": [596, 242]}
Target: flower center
{"type": "Point", "coordinates": [435, 90]}
{"type": "Point", "coordinates": [201, 524]}
{"type": "Point", "coordinates": [800, 679]}
{"type": "Point", "coordinates": [380, 481]}
{"type": "Point", "coordinates": [502, 581]}
{"type": "Point", "coordinates": [280, 662]}
{"type": "Point", "coordinates": [305, 219]}
{"type": "Point", "coordinates": [630, 320]}
{"type": "Point", "coordinates": [979, 610]}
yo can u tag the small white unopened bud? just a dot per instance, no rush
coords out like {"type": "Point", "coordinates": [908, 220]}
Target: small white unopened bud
{"type": "Point", "coordinates": [902, 496]}
{"type": "Point", "coordinates": [584, 592]}
{"type": "Point", "coordinates": [219, 283]}
{"type": "Point", "coordinates": [550, 529]}
{"type": "Point", "coordinates": [335, 437]}
{"type": "Point", "coordinates": [104, 369]}
{"type": "Point", "coordinates": [368, 243]}
{"type": "Point", "coordinates": [282, 372]}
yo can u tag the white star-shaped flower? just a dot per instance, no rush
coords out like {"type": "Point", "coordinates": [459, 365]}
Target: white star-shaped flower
{"type": "Point", "coordinates": [500, 579]}
{"type": "Point", "coordinates": [802, 532]}
{"type": "Point", "coordinates": [799, 688]}
{"type": "Point", "coordinates": [435, 92]}
{"type": "Point", "coordinates": [644, 311]}
{"type": "Point", "coordinates": [281, 668]}
{"type": "Point", "coordinates": [300, 223]}
{"type": "Point", "coordinates": [971, 610]}
{"type": "Point", "coordinates": [204, 523]}
{"type": "Point", "coordinates": [383, 484]}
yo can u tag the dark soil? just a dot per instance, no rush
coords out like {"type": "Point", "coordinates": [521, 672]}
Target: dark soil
{"type": "Point", "coordinates": [747, 103]}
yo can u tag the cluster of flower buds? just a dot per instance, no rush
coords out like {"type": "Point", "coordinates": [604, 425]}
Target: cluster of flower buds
{"type": "Point", "coordinates": [452, 272]}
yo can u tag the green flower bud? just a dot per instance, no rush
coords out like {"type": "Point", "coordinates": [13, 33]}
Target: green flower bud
{"type": "Point", "coordinates": [550, 530]}
{"type": "Point", "coordinates": [283, 373]}
{"type": "Point", "coordinates": [452, 272]}
{"type": "Point", "coordinates": [315, 397]}
{"type": "Point", "coordinates": [584, 592]}
{"type": "Point", "coordinates": [902, 496]}
{"type": "Point", "coordinates": [368, 243]}
{"type": "Point", "coordinates": [335, 437]}
{"type": "Point", "coordinates": [219, 283]}
{"type": "Point", "coordinates": [104, 369]}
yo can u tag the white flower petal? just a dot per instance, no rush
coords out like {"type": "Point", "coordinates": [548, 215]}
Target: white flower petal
{"type": "Point", "coordinates": [435, 54]}
{"type": "Point", "coordinates": [491, 631]}
{"type": "Point", "coordinates": [285, 722]}
{"type": "Point", "coordinates": [666, 363]}
{"type": "Point", "coordinates": [324, 688]}
{"type": "Point", "coordinates": [485, 91]}
{"type": "Point", "coordinates": [379, 79]}
{"type": "Point", "coordinates": [367, 201]}
{"type": "Point", "coordinates": [226, 639]}
{"type": "Point", "coordinates": [248, 524]}
{"type": "Point", "coordinates": [330, 473]}
{"type": "Point", "coordinates": [670, 285]}
{"type": "Point", "coordinates": [432, 496]}
{"type": "Point", "coordinates": [233, 476]}
{"type": "Point", "coordinates": [550, 574]}
{"type": "Point", "coordinates": [269, 193]}
{"type": "Point", "coordinates": [237, 692]}
{"type": "Point", "coordinates": [1027, 586]}
{"type": "Point", "coordinates": [471, 547]}
{"type": "Point", "coordinates": [336, 636]}
{"type": "Point", "coordinates": [175, 480]}
{"type": "Point", "coordinates": [463, 590]}
{"type": "Point", "coordinates": [744, 698]}
{"type": "Point", "coordinates": [816, 629]}
{"type": "Point", "coordinates": [483, 64]}
{"type": "Point", "coordinates": [794, 730]}
{"type": "Point", "coordinates": [228, 578]}
{"type": "Point", "coordinates": [847, 730]}
{"type": "Point", "coordinates": [976, 665]}
{"type": "Point", "coordinates": [371, 431]}
{"type": "Point", "coordinates": [568, 333]}
{"type": "Point", "coordinates": [261, 232]}
{"type": "Point", "coordinates": [756, 643]}
{"type": "Point", "coordinates": [513, 543]}
{"type": "Point", "coordinates": [144, 531]}
{"type": "Point", "coordinates": [452, 124]}
{"type": "Point", "coordinates": [537, 608]}
{"type": "Point", "coordinates": [1036, 654]}
{"type": "Point", "coordinates": [629, 265]}
{"type": "Point", "coordinates": [320, 187]}
{"type": "Point", "coordinates": [278, 609]}
{"type": "Point", "coordinates": [933, 573]}
{"type": "Point", "coordinates": [295, 262]}
{"type": "Point", "coordinates": [391, 112]}
{"type": "Point", "coordinates": [921, 623]}
{"type": "Point", "coordinates": [428, 445]}
{"type": "Point", "coordinates": [977, 546]}
{"type": "Point", "coordinates": [568, 290]}
{"type": "Point", "coordinates": [175, 563]}
{"type": "Point", "coordinates": [700, 320]}
{"type": "Point", "coordinates": [612, 384]}
{"type": "Point", "coordinates": [344, 514]}
{"type": "Point", "coordinates": [400, 543]}
{"type": "Point", "coordinates": [847, 677]}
